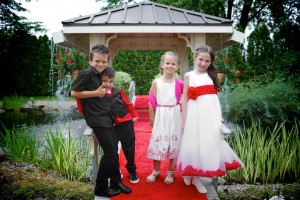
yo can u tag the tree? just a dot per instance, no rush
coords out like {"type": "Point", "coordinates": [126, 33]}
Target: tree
{"type": "Point", "coordinates": [22, 55]}
{"type": "Point", "coordinates": [244, 13]}
{"type": "Point", "coordinates": [115, 4]}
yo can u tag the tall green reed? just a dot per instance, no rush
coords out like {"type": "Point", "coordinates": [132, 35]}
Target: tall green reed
{"type": "Point", "coordinates": [68, 156]}
{"type": "Point", "coordinates": [268, 155]}
{"type": "Point", "coordinates": [20, 145]}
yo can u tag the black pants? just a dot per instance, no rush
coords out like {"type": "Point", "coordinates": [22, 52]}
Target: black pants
{"type": "Point", "coordinates": [109, 164]}
{"type": "Point", "coordinates": [125, 134]}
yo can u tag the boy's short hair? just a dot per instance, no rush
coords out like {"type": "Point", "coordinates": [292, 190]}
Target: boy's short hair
{"type": "Point", "coordinates": [99, 48]}
{"type": "Point", "coordinates": [108, 71]}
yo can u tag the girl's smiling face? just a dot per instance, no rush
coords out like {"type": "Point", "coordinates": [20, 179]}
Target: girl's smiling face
{"type": "Point", "coordinates": [202, 62]}
{"type": "Point", "coordinates": [170, 64]}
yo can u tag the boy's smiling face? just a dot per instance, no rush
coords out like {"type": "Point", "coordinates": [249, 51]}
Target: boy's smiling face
{"type": "Point", "coordinates": [107, 82]}
{"type": "Point", "coordinates": [99, 61]}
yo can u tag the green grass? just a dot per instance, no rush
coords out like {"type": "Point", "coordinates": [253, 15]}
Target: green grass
{"type": "Point", "coordinates": [13, 102]}
{"type": "Point", "coordinates": [16, 102]}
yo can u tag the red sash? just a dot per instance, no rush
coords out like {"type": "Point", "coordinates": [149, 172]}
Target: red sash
{"type": "Point", "coordinates": [194, 92]}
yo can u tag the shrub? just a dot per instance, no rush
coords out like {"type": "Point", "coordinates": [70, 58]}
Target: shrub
{"type": "Point", "coordinates": [268, 103]}
{"type": "Point", "coordinates": [122, 80]}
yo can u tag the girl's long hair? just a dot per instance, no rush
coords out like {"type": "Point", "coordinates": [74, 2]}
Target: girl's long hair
{"type": "Point", "coordinates": [211, 70]}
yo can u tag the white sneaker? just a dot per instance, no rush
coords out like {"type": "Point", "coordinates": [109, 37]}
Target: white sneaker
{"type": "Point", "coordinates": [200, 187]}
{"type": "Point", "coordinates": [187, 180]}
{"type": "Point", "coordinates": [101, 198]}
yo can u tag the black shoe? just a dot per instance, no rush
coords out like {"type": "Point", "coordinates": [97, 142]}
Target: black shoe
{"type": "Point", "coordinates": [122, 187]}
{"type": "Point", "coordinates": [108, 192]}
{"type": "Point", "coordinates": [133, 178]}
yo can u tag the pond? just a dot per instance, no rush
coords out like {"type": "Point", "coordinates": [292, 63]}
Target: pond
{"type": "Point", "coordinates": [62, 115]}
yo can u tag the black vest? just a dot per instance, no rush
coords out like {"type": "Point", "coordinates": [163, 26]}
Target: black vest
{"type": "Point", "coordinates": [117, 105]}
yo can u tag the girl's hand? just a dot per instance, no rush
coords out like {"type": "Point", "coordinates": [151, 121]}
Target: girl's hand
{"type": "Point", "coordinates": [151, 123]}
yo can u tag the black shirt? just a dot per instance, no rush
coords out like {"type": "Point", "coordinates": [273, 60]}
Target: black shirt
{"type": "Point", "coordinates": [95, 109]}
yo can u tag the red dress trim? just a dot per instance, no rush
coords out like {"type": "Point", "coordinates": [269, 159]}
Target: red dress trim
{"type": "Point", "coordinates": [190, 171]}
{"type": "Point", "coordinates": [194, 92]}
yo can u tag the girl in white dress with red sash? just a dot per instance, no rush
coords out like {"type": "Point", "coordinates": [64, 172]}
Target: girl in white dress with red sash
{"type": "Point", "coordinates": [203, 151]}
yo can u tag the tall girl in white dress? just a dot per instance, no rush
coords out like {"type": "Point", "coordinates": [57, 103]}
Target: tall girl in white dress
{"type": "Point", "coordinates": [203, 151]}
{"type": "Point", "coordinates": [165, 117]}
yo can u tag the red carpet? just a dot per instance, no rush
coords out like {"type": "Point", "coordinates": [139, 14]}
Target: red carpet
{"type": "Point", "coordinates": [141, 102]}
{"type": "Point", "coordinates": [157, 190]}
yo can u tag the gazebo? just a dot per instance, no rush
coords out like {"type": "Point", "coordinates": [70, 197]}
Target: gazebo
{"type": "Point", "coordinates": [148, 26]}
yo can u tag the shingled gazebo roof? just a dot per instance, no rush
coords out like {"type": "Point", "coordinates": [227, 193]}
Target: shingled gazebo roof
{"type": "Point", "coordinates": [149, 14]}
{"type": "Point", "coordinates": [148, 26]}
{"type": "Point", "coordinates": [150, 17]}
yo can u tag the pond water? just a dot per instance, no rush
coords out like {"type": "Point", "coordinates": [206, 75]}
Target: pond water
{"type": "Point", "coordinates": [42, 120]}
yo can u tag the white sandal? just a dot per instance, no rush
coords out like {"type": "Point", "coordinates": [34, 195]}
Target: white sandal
{"type": "Point", "coordinates": [152, 177]}
{"type": "Point", "coordinates": [170, 177]}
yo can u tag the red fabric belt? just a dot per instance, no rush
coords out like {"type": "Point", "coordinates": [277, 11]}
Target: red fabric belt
{"type": "Point", "coordinates": [194, 92]}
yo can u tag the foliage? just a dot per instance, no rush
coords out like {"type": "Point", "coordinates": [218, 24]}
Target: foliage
{"type": "Point", "coordinates": [276, 57]}
{"type": "Point", "coordinates": [269, 102]}
{"type": "Point", "coordinates": [16, 184]}
{"type": "Point", "coordinates": [14, 102]}
{"type": "Point", "coordinates": [67, 61]}
{"type": "Point", "coordinates": [20, 145]}
{"type": "Point", "coordinates": [287, 37]}
{"type": "Point", "coordinates": [142, 66]}
{"type": "Point", "coordinates": [223, 63]}
{"type": "Point", "coordinates": [10, 21]}
{"type": "Point", "coordinates": [210, 7]}
{"type": "Point", "coordinates": [115, 4]}
{"type": "Point", "coordinates": [269, 155]}
{"type": "Point", "coordinates": [251, 13]}
{"type": "Point", "coordinates": [66, 155]}
{"type": "Point", "coordinates": [287, 66]}
{"type": "Point", "coordinates": [24, 71]}
{"type": "Point", "coordinates": [22, 55]}
{"type": "Point", "coordinates": [230, 62]}
{"type": "Point", "coordinates": [260, 47]}
{"type": "Point", "coordinates": [122, 80]}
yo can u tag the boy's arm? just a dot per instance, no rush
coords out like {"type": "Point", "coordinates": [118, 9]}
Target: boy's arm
{"type": "Point", "coordinates": [100, 92]}
{"type": "Point", "coordinates": [128, 104]}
